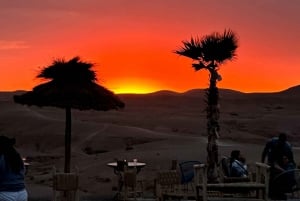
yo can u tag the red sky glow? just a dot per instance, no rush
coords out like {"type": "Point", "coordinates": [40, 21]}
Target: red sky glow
{"type": "Point", "coordinates": [132, 42]}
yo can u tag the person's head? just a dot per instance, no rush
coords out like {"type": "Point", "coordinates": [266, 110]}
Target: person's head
{"type": "Point", "coordinates": [235, 154]}
{"type": "Point", "coordinates": [282, 137]}
{"type": "Point", "coordinates": [11, 156]}
{"type": "Point", "coordinates": [285, 159]}
{"type": "Point", "coordinates": [6, 143]}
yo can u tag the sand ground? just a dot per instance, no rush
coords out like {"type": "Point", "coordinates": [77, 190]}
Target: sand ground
{"type": "Point", "coordinates": [158, 128]}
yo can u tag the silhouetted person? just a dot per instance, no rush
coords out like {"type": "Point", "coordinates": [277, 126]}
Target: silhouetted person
{"type": "Point", "coordinates": [12, 185]}
{"type": "Point", "coordinates": [238, 167]}
{"type": "Point", "coordinates": [283, 179]}
{"type": "Point", "coordinates": [276, 148]}
{"type": "Point", "coordinates": [285, 165]}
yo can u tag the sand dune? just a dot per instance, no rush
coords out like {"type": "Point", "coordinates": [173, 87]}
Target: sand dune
{"type": "Point", "coordinates": [155, 128]}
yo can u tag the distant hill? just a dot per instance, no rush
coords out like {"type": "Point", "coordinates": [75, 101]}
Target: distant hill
{"type": "Point", "coordinates": [164, 93]}
{"type": "Point", "coordinates": [244, 116]}
{"type": "Point", "coordinates": [201, 92]}
{"type": "Point", "coordinates": [292, 90]}
{"type": "Point", "coordinates": [224, 93]}
{"type": "Point", "coordinates": [192, 92]}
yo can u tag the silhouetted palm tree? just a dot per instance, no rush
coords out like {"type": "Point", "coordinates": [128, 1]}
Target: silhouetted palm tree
{"type": "Point", "coordinates": [73, 85]}
{"type": "Point", "coordinates": [210, 52]}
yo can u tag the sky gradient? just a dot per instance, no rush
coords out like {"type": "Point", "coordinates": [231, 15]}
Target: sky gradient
{"type": "Point", "coordinates": [132, 42]}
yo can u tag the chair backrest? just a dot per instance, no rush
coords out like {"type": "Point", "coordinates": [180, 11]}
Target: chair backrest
{"type": "Point", "coordinates": [65, 181]}
{"type": "Point", "coordinates": [169, 177]}
{"type": "Point", "coordinates": [200, 174]}
{"type": "Point", "coordinates": [225, 166]}
{"type": "Point", "coordinates": [166, 180]}
{"type": "Point", "coordinates": [65, 186]}
{"type": "Point", "coordinates": [130, 179]}
{"type": "Point", "coordinates": [187, 170]}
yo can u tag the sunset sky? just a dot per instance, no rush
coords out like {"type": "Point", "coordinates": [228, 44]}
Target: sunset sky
{"type": "Point", "coordinates": [132, 42]}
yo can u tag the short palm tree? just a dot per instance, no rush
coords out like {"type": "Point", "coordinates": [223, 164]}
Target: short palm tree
{"type": "Point", "coordinates": [210, 52]}
{"type": "Point", "coordinates": [72, 85]}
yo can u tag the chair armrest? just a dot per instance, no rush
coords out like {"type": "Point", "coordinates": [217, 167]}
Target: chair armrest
{"type": "Point", "coordinates": [262, 172]}
{"type": "Point", "coordinates": [200, 174]}
{"type": "Point", "coordinates": [236, 179]}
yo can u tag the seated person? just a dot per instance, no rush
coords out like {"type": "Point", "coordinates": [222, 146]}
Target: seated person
{"type": "Point", "coordinates": [283, 178]}
{"type": "Point", "coordinates": [284, 164]}
{"type": "Point", "coordinates": [238, 168]}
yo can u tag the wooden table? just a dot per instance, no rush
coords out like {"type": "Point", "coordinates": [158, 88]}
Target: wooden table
{"type": "Point", "coordinates": [120, 170]}
{"type": "Point", "coordinates": [137, 165]}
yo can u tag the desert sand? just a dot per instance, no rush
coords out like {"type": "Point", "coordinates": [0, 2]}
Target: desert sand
{"type": "Point", "coordinates": [158, 127]}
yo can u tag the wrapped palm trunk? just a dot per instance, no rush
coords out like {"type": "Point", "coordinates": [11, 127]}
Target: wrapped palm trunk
{"type": "Point", "coordinates": [212, 130]}
{"type": "Point", "coordinates": [67, 167]}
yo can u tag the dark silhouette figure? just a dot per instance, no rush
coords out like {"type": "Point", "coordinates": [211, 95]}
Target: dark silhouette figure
{"type": "Point", "coordinates": [283, 179]}
{"type": "Point", "coordinates": [73, 85]}
{"type": "Point", "coordinates": [210, 52]}
{"type": "Point", "coordinates": [276, 148]}
{"type": "Point", "coordinates": [280, 158]}
{"type": "Point", "coordinates": [12, 170]}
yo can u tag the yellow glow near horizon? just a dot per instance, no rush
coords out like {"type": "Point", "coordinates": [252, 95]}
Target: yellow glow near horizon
{"type": "Point", "coordinates": [134, 87]}
{"type": "Point", "coordinates": [133, 90]}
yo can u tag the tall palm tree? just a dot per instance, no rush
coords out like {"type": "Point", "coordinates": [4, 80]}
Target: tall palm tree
{"type": "Point", "coordinates": [210, 52]}
{"type": "Point", "coordinates": [72, 85]}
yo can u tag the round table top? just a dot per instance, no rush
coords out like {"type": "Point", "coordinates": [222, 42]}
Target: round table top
{"type": "Point", "coordinates": [130, 164]}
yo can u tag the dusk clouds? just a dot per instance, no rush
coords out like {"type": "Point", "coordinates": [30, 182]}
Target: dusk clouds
{"type": "Point", "coordinates": [9, 45]}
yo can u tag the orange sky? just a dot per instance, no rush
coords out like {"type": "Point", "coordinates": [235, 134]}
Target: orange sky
{"type": "Point", "coordinates": [131, 41]}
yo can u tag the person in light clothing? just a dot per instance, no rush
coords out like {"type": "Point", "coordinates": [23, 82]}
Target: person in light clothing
{"type": "Point", "coordinates": [238, 168]}
{"type": "Point", "coordinates": [12, 170]}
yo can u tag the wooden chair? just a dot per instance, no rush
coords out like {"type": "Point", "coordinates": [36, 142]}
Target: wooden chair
{"type": "Point", "coordinates": [168, 185]}
{"type": "Point", "coordinates": [132, 185]}
{"type": "Point", "coordinates": [187, 174]}
{"type": "Point", "coordinates": [260, 185]}
{"type": "Point", "coordinates": [65, 186]}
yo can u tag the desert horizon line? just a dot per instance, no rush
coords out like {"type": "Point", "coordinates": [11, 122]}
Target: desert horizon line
{"type": "Point", "coordinates": [174, 91]}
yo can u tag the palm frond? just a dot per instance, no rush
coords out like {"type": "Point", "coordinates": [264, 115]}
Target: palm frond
{"type": "Point", "coordinates": [73, 70]}
{"type": "Point", "coordinates": [78, 96]}
{"type": "Point", "coordinates": [216, 47]}
{"type": "Point", "coordinates": [228, 44]}
{"type": "Point", "coordinates": [191, 49]}
{"type": "Point", "coordinates": [210, 46]}
{"type": "Point", "coordinates": [199, 66]}
{"type": "Point", "coordinates": [219, 47]}
{"type": "Point", "coordinates": [72, 84]}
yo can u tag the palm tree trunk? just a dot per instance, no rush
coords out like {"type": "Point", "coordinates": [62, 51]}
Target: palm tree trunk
{"type": "Point", "coordinates": [212, 128]}
{"type": "Point", "coordinates": [68, 140]}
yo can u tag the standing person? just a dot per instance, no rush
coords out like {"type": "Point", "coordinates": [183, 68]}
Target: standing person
{"type": "Point", "coordinates": [12, 185]}
{"type": "Point", "coordinates": [276, 148]}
